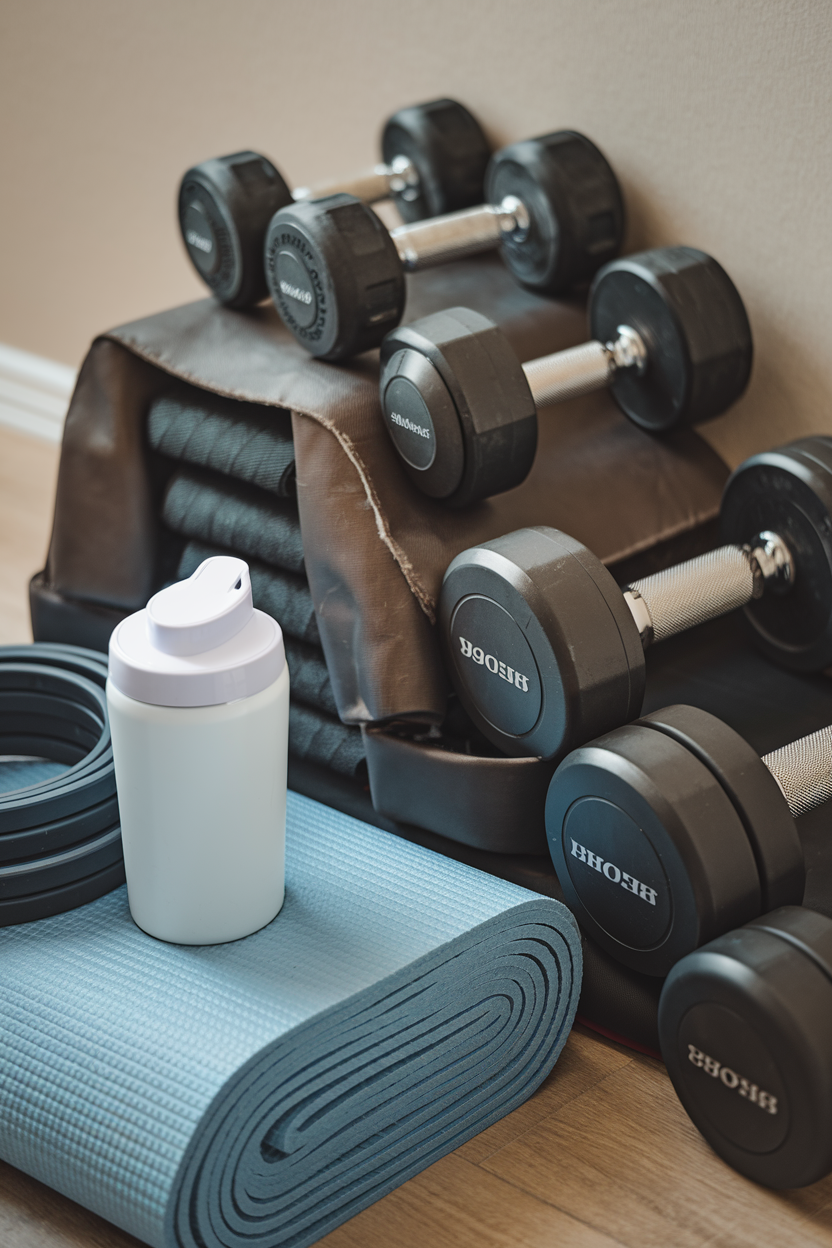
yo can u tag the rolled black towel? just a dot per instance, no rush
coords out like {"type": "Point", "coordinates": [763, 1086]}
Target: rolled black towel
{"type": "Point", "coordinates": [281, 595]}
{"type": "Point", "coordinates": [309, 676]}
{"type": "Point", "coordinates": [241, 440]}
{"type": "Point", "coordinates": [318, 738]}
{"type": "Point", "coordinates": [246, 521]}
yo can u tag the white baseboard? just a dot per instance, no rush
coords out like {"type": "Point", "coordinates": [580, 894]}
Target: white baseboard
{"type": "Point", "coordinates": [34, 393]}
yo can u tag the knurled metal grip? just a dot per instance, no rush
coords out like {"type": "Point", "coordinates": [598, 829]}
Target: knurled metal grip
{"type": "Point", "coordinates": [692, 592]}
{"type": "Point", "coordinates": [803, 771]}
{"type": "Point", "coordinates": [568, 374]}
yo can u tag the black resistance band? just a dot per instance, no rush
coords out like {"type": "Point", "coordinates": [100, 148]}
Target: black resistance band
{"type": "Point", "coordinates": [60, 839]}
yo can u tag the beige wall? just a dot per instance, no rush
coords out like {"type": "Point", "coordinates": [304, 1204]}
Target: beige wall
{"type": "Point", "coordinates": [716, 114]}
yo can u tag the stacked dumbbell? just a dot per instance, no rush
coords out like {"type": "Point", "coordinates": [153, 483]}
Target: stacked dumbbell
{"type": "Point", "coordinates": [547, 652]}
{"type": "Point", "coordinates": [670, 339]}
{"type": "Point", "coordinates": [337, 276]}
{"type": "Point", "coordinates": [672, 829]}
{"type": "Point", "coordinates": [434, 160]}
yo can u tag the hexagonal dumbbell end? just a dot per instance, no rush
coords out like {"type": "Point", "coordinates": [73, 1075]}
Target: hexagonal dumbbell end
{"type": "Point", "coordinates": [539, 642]}
{"type": "Point", "coordinates": [446, 147]}
{"type": "Point", "coordinates": [788, 492]}
{"type": "Point", "coordinates": [225, 206]}
{"type": "Point", "coordinates": [668, 831]}
{"type": "Point", "coordinates": [745, 1027]}
{"type": "Point", "coordinates": [694, 330]}
{"type": "Point", "coordinates": [334, 275]}
{"type": "Point", "coordinates": [457, 405]}
{"type": "Point", "coordinates": [574, 210]}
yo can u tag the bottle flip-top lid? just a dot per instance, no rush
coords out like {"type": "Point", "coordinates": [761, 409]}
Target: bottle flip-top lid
{"type": "Point", "coordinates": [199, 642]}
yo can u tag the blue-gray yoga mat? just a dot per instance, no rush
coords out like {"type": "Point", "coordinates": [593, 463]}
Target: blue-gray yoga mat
{"type": "Point", "coordinates": [259, 1093]}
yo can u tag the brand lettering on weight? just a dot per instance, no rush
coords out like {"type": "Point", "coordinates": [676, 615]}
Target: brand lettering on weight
{"type": "Point", "coordinates": [730, 1079]}
{"type": "Point", "coordinates": [295, 292]}
{"type": "Point", "coordinates": [409, 425]}
{"type": "Point", "coordinates": [614, 874]}
{"type": "Point", "coordinates": [496, 666]}
{"type": "Point", "coordinates": [197, 240]}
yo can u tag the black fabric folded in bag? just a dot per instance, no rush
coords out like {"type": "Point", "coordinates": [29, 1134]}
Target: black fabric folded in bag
{"type": "Point", "coordinates": [309, 676]}
{"type": "Point", "coordinates": [240, 440]}
{"type": "Point", "coordinates": [221, 512]}
{"type": "Point", "coordinates": [322, 739]}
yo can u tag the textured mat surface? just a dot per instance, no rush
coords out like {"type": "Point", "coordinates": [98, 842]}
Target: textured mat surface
{"type": "Point", "coordinates": [260, 1093]}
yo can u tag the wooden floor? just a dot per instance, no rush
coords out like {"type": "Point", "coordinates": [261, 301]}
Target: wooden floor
{"type": "Point", "coordinates": [601, 1155]}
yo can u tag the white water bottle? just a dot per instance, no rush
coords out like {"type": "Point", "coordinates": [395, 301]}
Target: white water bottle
{"type": "Point", "coordinates": [198, 696]}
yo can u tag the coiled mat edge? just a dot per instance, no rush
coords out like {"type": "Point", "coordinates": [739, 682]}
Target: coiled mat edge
{"type": "Point", "coordinates": [262, 1092]}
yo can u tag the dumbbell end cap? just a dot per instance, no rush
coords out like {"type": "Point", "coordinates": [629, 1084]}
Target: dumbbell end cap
{"type": "Point", "coordinates": [745, 1026]}
{"type": "Point", "coordinates": [540, 645]}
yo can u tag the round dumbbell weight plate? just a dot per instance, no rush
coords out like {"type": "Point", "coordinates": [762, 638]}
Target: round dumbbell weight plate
{"type": "Point", "coordinates": [576, 213]}
{"type": "Point", "coordinates": [789, 492]}
{"type": "Point", "coordinates": [225, 206]}
{"type": "Point", "coordinates": [334, 275]}
{"type": "Point", "coordinates": [649, 850]}
{"type": "Point", "coordinates": [745, 1026]}
{"type": "Point", "coordinates": [539, 642]}
{"type": "Point", "coordinates": [449, 151]}
{"type": "Point", "coordinates": [690, 317]}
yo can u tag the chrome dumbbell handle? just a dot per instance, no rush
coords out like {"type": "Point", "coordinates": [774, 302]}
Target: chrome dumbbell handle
{"type": "Point", "coordinates": [708, 586]}
{"type": "Point", "coordinates": [803, 770]}
{"type": "Point", "coordinates": [401, 177]}
{"type": "Point", "coordinates": [580, 370]}
{"type": "Point", "coordinates": [423, 244]}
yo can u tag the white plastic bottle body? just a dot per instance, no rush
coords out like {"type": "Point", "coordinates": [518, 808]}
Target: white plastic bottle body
{"type": "Point", "coordinates": [202, 799]}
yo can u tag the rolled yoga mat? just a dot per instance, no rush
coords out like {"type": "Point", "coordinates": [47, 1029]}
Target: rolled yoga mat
{"type": "Point", "coordinates": [242, 440]}
{"type": "Point", "coordinates": [239, 517]}
{"type": "Point", "coordinates": [260, 1093]}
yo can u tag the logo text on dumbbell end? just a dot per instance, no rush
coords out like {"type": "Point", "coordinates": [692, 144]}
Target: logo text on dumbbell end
{"type": "Point", "coordinates": [410, 425]}
{"type": "Point", "coordinates": [730, 1079]}
{"type": "Point", "coordinates": [614, 874]}
{"type": "Point", "coordinates": [198, 241]}
{"type": "Point", "coordinates": [496, 666]}
{"type": "Point", "coordinates": [295, 292]}
{"type": "Point", "coordinates": [298, 244]}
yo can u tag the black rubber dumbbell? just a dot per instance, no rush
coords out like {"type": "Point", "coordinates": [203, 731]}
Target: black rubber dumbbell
{"type": "Point", "coordinates": [546, 651]}
{"type": "Point", "coordinates": [672, 829]}
{"type": "Point", "coordinates": [745, 1026]}
{"type": "Point", "coordinates": [434, 161]}
{"type": "Point", "coordinates": [670, 339]}
{"type": "Point", "coordinates": [337, 275]}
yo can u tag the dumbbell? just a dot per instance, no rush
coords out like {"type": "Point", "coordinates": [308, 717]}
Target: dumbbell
{"type": "Point", "coordinates": [547, 652]}
{"type": "Point", "coordinates": [745, 1027]}
{"type": "Point", "coordinates": [672, 829]}
{"type": "Point", "coordinates": [670, 339]}
{"type": "Point", "coordinates": [337, 275]}
{"type": "Point", "coordinates": [434, 161]}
